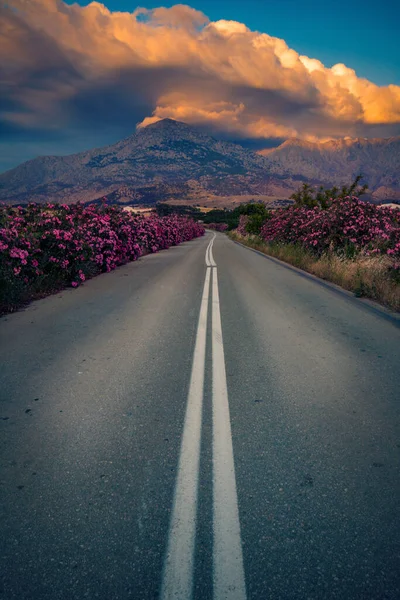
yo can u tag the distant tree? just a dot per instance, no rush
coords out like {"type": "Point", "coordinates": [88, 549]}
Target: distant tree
{"type": "Point", "coordinates": [253, 208]}
{"type": "Point", "coordinates": [255, 223]}
{"type": "Point", "coordinates": [304, 196]}
{"type": "Point", "coordinates": [257, 213]}
{"type": "Point", "coordinates": [217, 215]}
{"type": "Point", "coordinates": [163, 210]}
{"type": "Point", "coordinates": [308, 196]}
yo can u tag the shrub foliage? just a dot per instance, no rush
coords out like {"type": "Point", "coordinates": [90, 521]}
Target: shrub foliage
{"type": "Point", "coordinates": [310, 197]}
{"type": "Point", "coordinates": [47, 247]}
{"type": "Point", "coordinates": [347, 226]}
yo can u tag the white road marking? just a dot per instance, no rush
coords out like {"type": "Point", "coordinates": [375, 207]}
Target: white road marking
{"type": "Point", "coordinates": [212, 261]}
{"type": "Point", "coordinates": [228, 570]}
{"type": "Point", "coordinates": [209, 255]}
{"type": "Point", "coordinates": [178, 568]}
{"type": "Point", "coordinates": [229, 580]}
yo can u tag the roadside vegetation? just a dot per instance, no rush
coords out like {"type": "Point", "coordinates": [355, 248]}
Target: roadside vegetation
{"type": "Point", "coordinates": [166, 210]}
{"type": "Point", "coordinates": [219, 219]}
{"type": "Point", "coordinates": [217, 226]}
{"type": "Point", "coordinates": [45, 248]}
{"type": "Point", "coordinates": [335, 236]}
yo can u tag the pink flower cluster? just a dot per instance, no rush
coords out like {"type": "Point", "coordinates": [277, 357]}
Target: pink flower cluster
{"type": "Point", "coordinates": [241, 228]}
{"type": "Point", "coordinates": [49, 245]}
{"type": "Point", "coordinates": [348, 223]}
{"type": "Point", "coordinates": [217, 226]}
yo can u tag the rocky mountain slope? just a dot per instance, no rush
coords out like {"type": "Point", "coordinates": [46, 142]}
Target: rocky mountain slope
{"type": "Point", "coordinates": [171, 160]}
{"type": "Point", "coordinates": [339, 161]}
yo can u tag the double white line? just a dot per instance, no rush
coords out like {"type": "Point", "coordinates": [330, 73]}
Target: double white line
{"type": "Point", "coordinates": [228, 572]}
{"type": "Point", "coordinates": [210, 262]}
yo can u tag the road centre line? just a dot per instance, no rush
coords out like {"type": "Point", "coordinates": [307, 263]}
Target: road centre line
{"type": "Point", "coordinates": [212, 261]}
{"type": "Point", "coordinates": [208, 264]}
{"type": "Point", "coordinates": [228, 570]}
{"type": "Point", "coordinates": [178, 568]}
{"type": "Point", "coordinates": [228, 576]}
{"type": "Point", "coordinates": [209, 255]}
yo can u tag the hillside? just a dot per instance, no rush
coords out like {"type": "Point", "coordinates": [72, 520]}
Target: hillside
{"type": "Point", "coordinates": [339, 161]}
{"type": "Point", "coordinates": [172, 160]}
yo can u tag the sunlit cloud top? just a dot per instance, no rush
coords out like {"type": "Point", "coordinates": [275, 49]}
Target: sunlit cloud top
{"type": "Point", "coordinates": [73, 68]}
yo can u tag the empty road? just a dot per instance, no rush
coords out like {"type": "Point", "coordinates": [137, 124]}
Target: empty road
{"type": "Point", "coordinates": [204, 423]}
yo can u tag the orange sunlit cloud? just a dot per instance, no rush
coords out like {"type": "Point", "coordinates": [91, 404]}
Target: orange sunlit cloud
{"type": "Point", "coordinates": [176, 63]}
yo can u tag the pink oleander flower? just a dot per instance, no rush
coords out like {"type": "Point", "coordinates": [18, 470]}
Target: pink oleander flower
{"type": "Point", "coordinates": [102, 238]}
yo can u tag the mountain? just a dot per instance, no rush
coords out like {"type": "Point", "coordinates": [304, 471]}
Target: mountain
{"type": "Point", "coordinates": [337, 162]}
{"type": "Point", "coordinates": [166, 158]}
{"type": "Point", "coordinates": [171, 160]}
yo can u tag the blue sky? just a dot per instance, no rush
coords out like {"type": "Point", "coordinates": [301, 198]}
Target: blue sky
{"type": "Point", "coordinates": [80, 77]}
{"type": "Point", "coordinates": [364, 35]}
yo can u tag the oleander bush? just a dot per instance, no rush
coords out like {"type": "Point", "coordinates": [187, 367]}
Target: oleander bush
{"type": "Point", "coordinates": [44, 248]}
{"type": "Point", "coordinates": [348, 242]}
{"type": "Point", "coordinates": [348, 226]}
{"type": "Point", "coordinates": [242, 226]}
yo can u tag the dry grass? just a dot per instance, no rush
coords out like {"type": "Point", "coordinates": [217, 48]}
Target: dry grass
{"type": "Point", "coordinates": [370, 277]}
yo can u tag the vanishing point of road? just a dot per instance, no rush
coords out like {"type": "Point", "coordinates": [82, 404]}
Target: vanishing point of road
{"type": "Point", "coordinates": [203, 424]}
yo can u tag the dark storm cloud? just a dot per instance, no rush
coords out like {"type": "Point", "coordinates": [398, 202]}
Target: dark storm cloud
{"type": "Point", "coordinates": [85, 69]}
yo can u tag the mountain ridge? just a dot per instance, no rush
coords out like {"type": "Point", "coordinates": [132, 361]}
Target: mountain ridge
{"type": "Point", "coordinates": [170, 159]}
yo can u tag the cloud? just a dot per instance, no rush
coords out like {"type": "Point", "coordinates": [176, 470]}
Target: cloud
{"type": "Point", "coordinates": [71, 67]}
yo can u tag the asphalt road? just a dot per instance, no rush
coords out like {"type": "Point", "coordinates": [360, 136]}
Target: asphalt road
{"type": "Point", "coordinates": [175, 430]}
